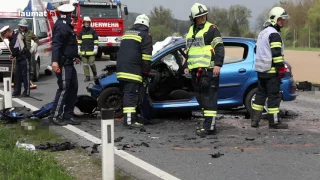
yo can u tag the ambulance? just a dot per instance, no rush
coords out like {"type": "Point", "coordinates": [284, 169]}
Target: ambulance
{"type": "Point", "coordinates": [34, 11]}
{"type": "Point", "coordinates": [107, 19]}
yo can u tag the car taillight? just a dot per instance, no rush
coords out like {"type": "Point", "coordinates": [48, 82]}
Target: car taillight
{"type": "Point", "coordinates": [288, 69]}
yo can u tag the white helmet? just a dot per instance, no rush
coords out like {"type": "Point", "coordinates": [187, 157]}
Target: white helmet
{"type": "Point", "coordinates": [66, 8]}
{"type": "Point", "coordinates": [23, 23]}
{"type": "Point", "coordinates": [198, 10]}
{"type": "Point", "coordinates": [276, 13]}
{"type": "Point", "coordinates": [142, 19]}
{"type": "Point", "coordinates": [86, 18]}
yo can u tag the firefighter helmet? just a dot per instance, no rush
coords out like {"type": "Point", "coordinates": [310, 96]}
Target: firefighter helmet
{"type": "Point", "coordinates": [23, 23]}
{"type": "Point", "coordinates": [66, 8]}
{"type": "Point", "coordinates": [142, 19]}
{"type": "Point", "coordinates": [276, 13]}
{"type": "Point", "coordinates": [86, 18]}
{"type": "Point", "coordinates": [198, 10]}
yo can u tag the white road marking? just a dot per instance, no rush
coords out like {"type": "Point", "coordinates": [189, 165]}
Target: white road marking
{"type": "Point", "coordinates": [134, 160]}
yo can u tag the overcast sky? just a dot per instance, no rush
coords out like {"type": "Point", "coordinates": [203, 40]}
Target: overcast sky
{"type": "Point", "coordinates": [181, 8]}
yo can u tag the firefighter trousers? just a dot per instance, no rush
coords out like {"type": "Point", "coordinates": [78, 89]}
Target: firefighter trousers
{"type": "Point", "coordinates": [206, 88]}
{"type": "Point", "coordinates": [66, 95]}
{"type": "Point", "coordinates": [268, 88]}
{"type": "Point", "coordinates": [88, 61]}
{"type": "Point", "coordinates": [21, 74]}
{"type": "Point", "coordinates": [130, 101]}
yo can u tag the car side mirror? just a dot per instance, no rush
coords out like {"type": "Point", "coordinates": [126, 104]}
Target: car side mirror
{"type": "Point", "coordinates": [126, 11]}
{"type": "Point", "coordinates": [43, 35]}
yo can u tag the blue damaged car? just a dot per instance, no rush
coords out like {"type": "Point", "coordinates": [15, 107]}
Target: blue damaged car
{"type": "Point", "coordinates": [171, 89]}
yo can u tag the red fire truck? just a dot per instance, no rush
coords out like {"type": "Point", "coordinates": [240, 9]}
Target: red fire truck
{"type": "Point", "coordinates": [107, 19]}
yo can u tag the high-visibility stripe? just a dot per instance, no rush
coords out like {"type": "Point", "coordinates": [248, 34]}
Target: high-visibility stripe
{"type": "Point", "coordinates": [124, 75]}
{"type": "Point", "coordinates": [129, 110]}
{"type": "Point", "coordinates": [257, 107]}
{"type": "Point", "coordinates": [216, 41]}
{"type": "Point", "coordinates": [132, 37]}
{"type": "Point", "coordinates": [272, 70]}
{"type": "Point", "coordinates": [89, 53]}
{"type": "Point", "coordinates": [275, 45]}
{"type": "Point", "coordinates": [208, 113]}
{"type": "Point", "coordinates": [146, 57]}
{"type": "Point", "coordinates": [278, 59]}
{"type": "Point", "coordinates": [273, 110]}
{"type": "Point", "coordinates": [79, 41]}
{"type": "Point", "coordinates": [89, 36]}
{"type": "Point", "coordinates": [96, 41]}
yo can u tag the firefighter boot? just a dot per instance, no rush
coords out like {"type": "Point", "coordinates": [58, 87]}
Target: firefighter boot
{"type": "Point", "coordinates": [209, 127]}
{"type": "Point", "coordinates": [130, 121]}
{"type": "Point", "coordinates": [87, 79]}
{"type": "Point", "coordinates": [255, 118]}
{"type": "Point", "coordinates": [275, 123]}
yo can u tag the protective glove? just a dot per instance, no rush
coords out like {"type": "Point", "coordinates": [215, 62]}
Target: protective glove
{"type": "Point", "coordinates": [79, 51]}
{"type": "Point", "coordinates": [95, 50]}
{"type": "Point", "coordinates": [33, 48]}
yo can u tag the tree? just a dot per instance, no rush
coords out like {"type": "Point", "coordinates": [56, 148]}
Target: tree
{"type": "Point", "coordinates": [162, 16]}
{"type": "Point", "coordinates": [235, 31]}
{"type": "Point", "coordinates": [219, 16]}
{"type": "Point", "coordinates": [314, 22]}
{"type": "Point", "coordinates": [239, 15]}
{"type": "Point", "coordinates": [160, 32]}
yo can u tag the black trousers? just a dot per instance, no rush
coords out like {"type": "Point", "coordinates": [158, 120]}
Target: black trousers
{"type": "Point", "coordinates": [66, 95]}
{"type": "Point", "coordinates": [268, 88]}
{"type": "Point", "coordinates": [131, 96]}
{"type": "Point", "coordinates": [21, 73]}
{"type": "Point", "coordinates": [206, 88]}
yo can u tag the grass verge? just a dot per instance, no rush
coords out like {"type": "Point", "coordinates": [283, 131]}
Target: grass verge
{"type": "Point", "coordinates": [17, 163]}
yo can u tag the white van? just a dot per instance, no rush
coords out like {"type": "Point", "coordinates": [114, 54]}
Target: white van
{"type": "Point", "coordinates": [34, 12]}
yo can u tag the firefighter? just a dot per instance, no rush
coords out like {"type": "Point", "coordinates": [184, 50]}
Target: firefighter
{"type": "Point", "coordinates": [29, 35]}
{"type": "Point", "coordinates": [64, 55]}
{"type": "Point", "coordinates": [205, 52]}
{"type": "Point", "coordinates": [270, 67]}
{"type": "Point", "coordinates": [88, 48]}
{"type": "Point", "coordinates": [20, 52]}
{"type": "Point", "coordinates": [133, 66]}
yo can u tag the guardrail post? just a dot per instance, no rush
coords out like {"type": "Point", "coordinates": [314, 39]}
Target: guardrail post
{"type": "Point", "coordinates": [7, 92]}
{"type": "Point", "coordinates": [107, 136]}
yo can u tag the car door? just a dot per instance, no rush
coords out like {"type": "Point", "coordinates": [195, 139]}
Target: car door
{"type": "Point", "coordinates": [44, 42]}
{"type": "Point", "coordinates": [238, 64]}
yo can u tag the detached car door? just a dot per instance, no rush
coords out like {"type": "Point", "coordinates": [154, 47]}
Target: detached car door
{"type": "Point", "coordinates": [238, 64]}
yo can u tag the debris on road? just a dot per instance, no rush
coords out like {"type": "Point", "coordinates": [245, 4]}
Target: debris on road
{"type": "Point", "coordinates": [216, 155]}
{"type": "Point", "coordinates": [29, 147]}
{"type": "Point", "coordinates": [250, 138]}
{"type": "Point", "coordinates": [118, 139]}
{"type": "Point", "coordinates": [153, 137]}
{"type": "Point", "coordinates": [56, 146]}
{"type": "Point", "coordinates": [145, 144]}
{"type": "Point", "coordinates": [95, 148]}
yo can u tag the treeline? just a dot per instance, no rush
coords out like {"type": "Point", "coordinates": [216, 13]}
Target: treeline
{"type": "Point", "coordinates": [231, 22]}
{"type": "Point", "coordinates": [303, 27]}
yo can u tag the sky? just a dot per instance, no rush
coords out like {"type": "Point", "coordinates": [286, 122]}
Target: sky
{"type": "Point", "coordinates": [181, 8]}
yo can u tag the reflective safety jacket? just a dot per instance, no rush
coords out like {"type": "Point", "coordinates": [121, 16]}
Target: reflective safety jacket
{"type": "Point", "coordinates": [135, 54]}
{"type": "Point", "coordinates": [87, 39]}
{"type": "Point", "coordinates": [205, 46]}
{"type": "Point", "coordinates": [269, 51]}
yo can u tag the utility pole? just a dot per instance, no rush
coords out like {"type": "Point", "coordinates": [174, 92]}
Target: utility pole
{"type": "Point", "coordinates": [294, 38]}
{"type": "Point", "coordinates": [309, 38]}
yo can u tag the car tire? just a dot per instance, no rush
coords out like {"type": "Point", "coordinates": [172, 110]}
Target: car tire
{"type": "Point", "coordinates": [36, 72]}
{"type": "Point", "coordinates": [249, 101]}
{"type": "Point", "coordinates": [111, 98]}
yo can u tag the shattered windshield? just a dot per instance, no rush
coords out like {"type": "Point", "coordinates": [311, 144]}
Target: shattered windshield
{"type": "Point", "coordinates": [13, 23]}
{"type": "Point", "coordinates": [171, 44]}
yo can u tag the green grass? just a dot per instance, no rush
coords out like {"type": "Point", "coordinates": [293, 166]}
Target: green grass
{"type": "Point", "coordinates": [17, 163]}
{"type": "Point", "coordinates": [302, 49]}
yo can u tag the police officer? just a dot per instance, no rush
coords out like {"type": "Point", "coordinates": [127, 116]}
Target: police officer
{"type": "Point", "coordinates": [270, 67]}
{"type": "Point", "coordinates": [29, 35]}
{"type": "Point", "coordinates": [64, 55]}
{"type": "Point", "coordinates": [133, 65]}
{"type": "Point", "coordinates": [88, 48]}
{"type": "Point", "coordinates": [20, 52]}
{"type": "Point", "coordinates": [205, 52]}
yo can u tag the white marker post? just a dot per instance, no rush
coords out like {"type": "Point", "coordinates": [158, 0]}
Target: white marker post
{"type": "Point", "coordinates": [107, 134]}
{"type": "Point", "coordinates": [7, 92]}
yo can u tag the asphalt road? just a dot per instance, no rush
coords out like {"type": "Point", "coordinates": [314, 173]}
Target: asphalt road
{"type": "Point", "coordinates": [246, 153]}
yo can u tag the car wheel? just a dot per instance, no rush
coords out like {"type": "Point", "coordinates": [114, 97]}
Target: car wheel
{"type": "Point", "coordinates": [111, 98]}
{"type": "Point", "coordinates": [36, 72]}
{"type": "Point", "coordinates": [250, 99]}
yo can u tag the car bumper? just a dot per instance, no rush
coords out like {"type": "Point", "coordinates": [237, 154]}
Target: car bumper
{"type": "Point", "coordinates": [94, 90]}
{"type": "Point", "coordinates": [288, 89]}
